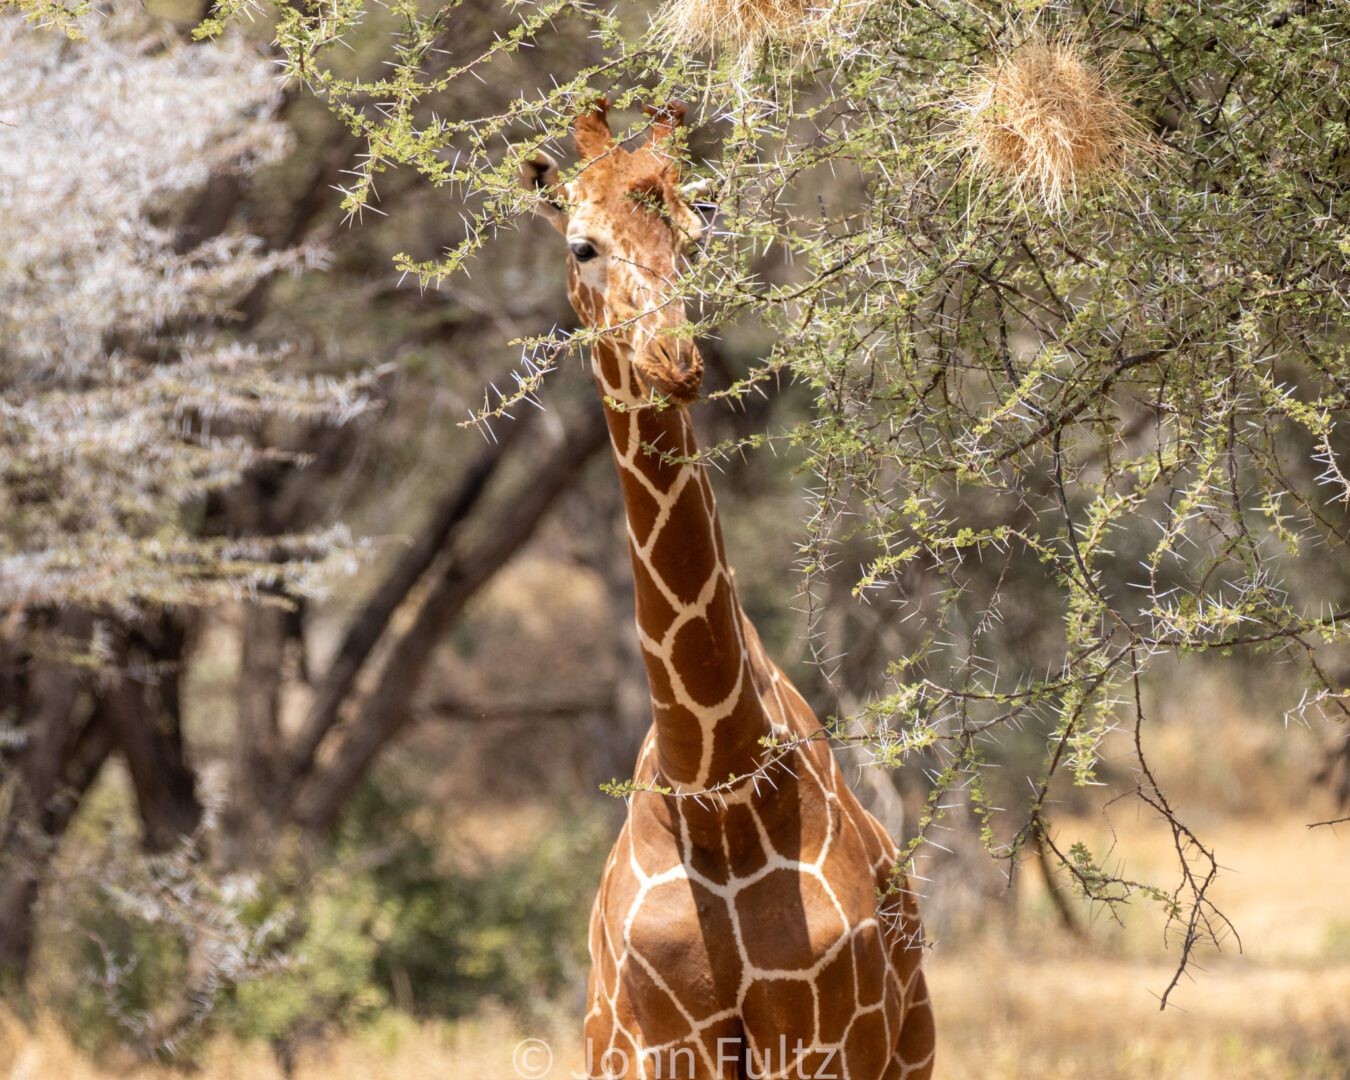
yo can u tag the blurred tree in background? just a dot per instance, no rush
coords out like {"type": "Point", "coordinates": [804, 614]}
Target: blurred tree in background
{"type": "Point", "coordinates": [1048, 300]}
{"type": "Point", "coordinates": [124, 406]}
{"type": "Point", "coordinates": [188, 408]}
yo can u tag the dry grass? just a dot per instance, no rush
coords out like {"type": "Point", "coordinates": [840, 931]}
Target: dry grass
{"type": "Point", "coordinates": [1085, 1018]}
{"type": "Point", "coordinates": [1045, 119]}
{"type": "Point", "coordinates": [396, 1047]}
{"type": "Point", "coordinates": [1024, 1001]}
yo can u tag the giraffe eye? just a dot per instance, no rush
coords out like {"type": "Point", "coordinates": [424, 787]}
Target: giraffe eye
{"type": "Point", "coordinates": [582, 250]}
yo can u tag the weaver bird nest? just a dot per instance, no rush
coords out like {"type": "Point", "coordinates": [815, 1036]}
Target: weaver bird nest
{"type": "Point", "coordinates": [745, 25]}
{"type": "Point", "coordinates": [1045, 119]}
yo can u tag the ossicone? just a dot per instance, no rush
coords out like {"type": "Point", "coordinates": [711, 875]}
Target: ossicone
{"type": "Point", "coordinates": [591, 130]}
{"type": "Point", "coordinates": [665, 119]}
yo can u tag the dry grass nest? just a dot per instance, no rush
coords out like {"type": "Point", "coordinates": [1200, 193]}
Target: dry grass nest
{"type": "Point", "coordinates": [1045, 119]}
{"type": "Point", "coordinates": [745, 25]}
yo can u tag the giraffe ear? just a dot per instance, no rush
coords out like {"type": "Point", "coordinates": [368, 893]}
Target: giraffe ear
{"type": "Point", "coordinates": [662, 143]}
{"type": "Point", "coordinates": [539, 176]}
{"type": "Point", "coordinates": [697, 199]}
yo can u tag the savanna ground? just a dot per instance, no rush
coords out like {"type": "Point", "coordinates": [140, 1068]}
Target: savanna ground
{"type": "Point", "coordinates": [1017, 995]}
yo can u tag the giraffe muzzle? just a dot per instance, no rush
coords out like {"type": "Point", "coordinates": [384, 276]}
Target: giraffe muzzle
{"type": "Point", "coordinates": [672, 367]}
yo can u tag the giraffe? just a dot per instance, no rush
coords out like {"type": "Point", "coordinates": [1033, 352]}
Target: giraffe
{"type": "Point", "coordinates": [749, 921]}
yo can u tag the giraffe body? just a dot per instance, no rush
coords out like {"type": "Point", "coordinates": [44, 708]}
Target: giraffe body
{"type": "Point", "coordinates": [748, 922]}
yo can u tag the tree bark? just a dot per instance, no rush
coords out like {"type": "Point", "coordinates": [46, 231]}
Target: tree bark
{"type": "Point", "coordinates": [258, 754]}
{"type": "Point", "coordinates": [144, 711]}
{"type": "Point", "coordinates": [69, 744]}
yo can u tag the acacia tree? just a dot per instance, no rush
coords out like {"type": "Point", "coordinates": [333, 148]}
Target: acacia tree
{"type": "Point", "coordinates": [1119, 406]}
{"type": "Point", "coordinates": [1074, 427]}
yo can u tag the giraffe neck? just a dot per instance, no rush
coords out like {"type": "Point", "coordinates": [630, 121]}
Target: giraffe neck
{"type": "Point", "coordinates": [707, 712]}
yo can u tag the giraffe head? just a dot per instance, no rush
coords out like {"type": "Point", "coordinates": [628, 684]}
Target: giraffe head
{"type": "Point", "coordinates": [628, 229]}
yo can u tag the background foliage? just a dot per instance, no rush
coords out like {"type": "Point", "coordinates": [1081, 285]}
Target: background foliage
{"type": "Point", "coordinates": [1060, 461]}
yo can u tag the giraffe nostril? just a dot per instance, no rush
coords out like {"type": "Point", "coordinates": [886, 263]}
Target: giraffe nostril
{"type": "Point", "coordinates": [673, 366]}
{"type": "Point", "coordinates": [673, 356]}
{"type": "Point", "coordinates": [683, 357]}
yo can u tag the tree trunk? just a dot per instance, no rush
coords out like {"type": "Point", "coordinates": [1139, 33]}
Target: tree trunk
{"type": "Point", "coordinates": [143, 709]}
{"type": "Point", "coordinates": [616, 733]}
{"type": "Point", "coordinates": [69, 742]}
{"type": "Point", "coordinates": [368, 627]}
{"type": "Point", "coordinates": [387, 709]}
{"type": "Point", "coordinates": [248, 820]}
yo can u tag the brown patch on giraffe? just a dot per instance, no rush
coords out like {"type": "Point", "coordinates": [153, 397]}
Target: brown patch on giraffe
{"type": "Point", "coordinates": [857, 893]}
{"type": "Point", "coordinates": [641, 505]}
{"type": "Point", "coordinates": [676, 931]}
{"type": "Point", "coordinates": [874, 839]}
{"type": "Point", "coordinates": [775, 1008]}
{"type": "Point", "coordinates": [893, 1004]}
{"type": "Point", "coordinates": [747, 855]}
{"type": "Point", "coordinates": [620, 431]}
{"type": "Point", "coordinates": [621, 890]}
{"type": "Point", "coordinates": [623, 1055]}
{"type": "Point", "coordinates": [816, 837]}
{"type": "Point", "coordinates": [666, 432]}
{"type": "Point", "coordinates": [606, 970]}
{"type": "Point", "coordinates": [703, 856]}
{"type": "Point", "coordinates": [649, 847]}
{"type": "Point", "coordinates": [818, 1063]}
{"type": "Point", "coordinates": [772, 914]}
{"type": "Point", "coordinates": [706, 653]}
{"type": "Point", "coordinates": [710, 502]}
{"type": "Point", "coordinates": [682, 1061]}
{"type": "Point", "coordinates": [736, 747]}
{"type": "Point", "coordinates": [919, 1032]}
{"type": "Point", "coordinates": [834, 984]}
{"type": "Point", "coordinates": [867, 1050]}
{"type": "Point", "coordinates": [587, 303]}
{"type": "Point", "coordinates": [611, 372]}
{"type": "Point", "coordinates": [715, 930]}
{"type": "Point", "coordinates": [655, 1007]}
{"type": "Point", "coordinates": [654, 616]}
{"type": "Point", "coordinates": [681, 749]}
{"type": "Point", "coordinates": [723, 1041]}
{"type": "Point", "coordinates": [867, 951]}
{"type": "Point", "coordinates": [658, 678]}
{"type": "Point", "coordinates": [799, 819]}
